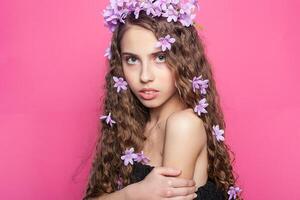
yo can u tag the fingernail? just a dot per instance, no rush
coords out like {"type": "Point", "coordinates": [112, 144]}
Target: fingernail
{"type": "Point", "coordinates": [195, 195]}
{"type": "Point", "coordinates": [196, 189]}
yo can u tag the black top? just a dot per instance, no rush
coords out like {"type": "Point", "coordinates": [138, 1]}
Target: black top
{"type": "Point", "coordinates": [208, 191]}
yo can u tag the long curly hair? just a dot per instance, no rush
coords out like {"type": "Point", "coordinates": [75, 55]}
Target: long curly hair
{"type": "Point", "coordinates": [186, 59]}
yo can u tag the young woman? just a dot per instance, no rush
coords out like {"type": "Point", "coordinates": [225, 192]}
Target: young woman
{"type": "Point", "coordinates": [162, 128]}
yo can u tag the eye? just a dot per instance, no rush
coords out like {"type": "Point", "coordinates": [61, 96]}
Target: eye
{"type": "Point", "coordinates": [161, 58]}
{"type": "Point", "coordinates": [133, 59]}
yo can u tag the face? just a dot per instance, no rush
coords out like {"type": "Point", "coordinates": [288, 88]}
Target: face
{"type": "Point", "coordinates": [145, 68]}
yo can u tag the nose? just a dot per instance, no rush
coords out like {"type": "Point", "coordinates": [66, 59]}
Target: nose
{"type": "Point", "coordinates": [146, 73]}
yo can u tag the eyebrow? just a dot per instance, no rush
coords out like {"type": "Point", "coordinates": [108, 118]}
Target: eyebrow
{"type": "Point", "coordinates": [154, 53]}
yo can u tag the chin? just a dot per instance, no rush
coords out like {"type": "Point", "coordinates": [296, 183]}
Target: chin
{"type": "Point", "coordinates": [150, 104]}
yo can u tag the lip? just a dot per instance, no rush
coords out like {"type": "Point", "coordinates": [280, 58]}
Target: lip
{"type": "Point", "coordinates": [154, 93]}
{"type": "Point", "coordinates": [148, 89]}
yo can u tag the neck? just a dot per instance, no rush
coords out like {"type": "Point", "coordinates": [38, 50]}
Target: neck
{"type": "Point", "coordinates": [161, 113]}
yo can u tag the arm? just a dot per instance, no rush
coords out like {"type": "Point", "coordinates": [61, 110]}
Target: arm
{"type": "Point", "coordinates": [184, 141]}
{"type": "Point", "coordinates": [155, 186]}
{"type": "Point", "coordinates": [129, 192]}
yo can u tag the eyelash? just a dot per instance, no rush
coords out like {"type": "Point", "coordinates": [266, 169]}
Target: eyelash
{"type": "Point", "coordinates": [127, 58]}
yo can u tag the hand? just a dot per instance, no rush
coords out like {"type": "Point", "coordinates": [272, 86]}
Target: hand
{"type": "Point", "coordinates": [162, 183]}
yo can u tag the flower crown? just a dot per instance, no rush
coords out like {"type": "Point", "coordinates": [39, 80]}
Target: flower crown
{"type": "Point", "coordinates": [173, 10]}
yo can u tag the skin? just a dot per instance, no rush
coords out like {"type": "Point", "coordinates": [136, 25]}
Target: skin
{"type": "Point", "coordinates": [147, 68]}
{"type": "Point", "coordinates": [171, 129]}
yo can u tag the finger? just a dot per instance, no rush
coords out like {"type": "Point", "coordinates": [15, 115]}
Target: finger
{"type": "Point", "coordinates": [166, 171]}
{"type": "Point", "coordinates": [188, 197]}
{"type": "Point", "coordinates": [180, 182]}
{"type": "Point", "coordinates": [182, 191]}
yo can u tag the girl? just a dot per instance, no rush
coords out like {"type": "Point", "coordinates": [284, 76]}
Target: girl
{"type": "Point", "coordinates": [162, 130]}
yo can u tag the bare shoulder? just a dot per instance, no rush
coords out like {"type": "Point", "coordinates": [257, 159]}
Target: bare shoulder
{"type": "Point", "coordinates": [187, 115]}
{"type": "Point", "coordinates": [185, 141]}
{"type": "Point", "coordinates": [189, 121]}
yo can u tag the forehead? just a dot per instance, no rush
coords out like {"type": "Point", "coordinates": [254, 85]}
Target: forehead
{"type": "Point", "coordinates": [137, 39]}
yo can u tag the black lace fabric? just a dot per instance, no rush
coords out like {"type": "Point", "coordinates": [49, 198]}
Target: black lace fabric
{"type": "Point", "coordinates": [208, 191]}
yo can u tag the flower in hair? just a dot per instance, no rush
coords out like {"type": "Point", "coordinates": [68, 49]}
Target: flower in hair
{"type": "Point", "coordinates": [233, 192]}
{"type": "Point", "coordinates": [188, 7]}
{"type": "Point", "coordinates": [108, 53]}
{"type": "Point", "coordinates": [187, 20]}
{"type": "Point", "coordinates": [108, 119]}
{"type": "Point", "coordinates": [171, 14]}
{"type": "Point", "coordinates": [112, 16]}
{"type": "Point", "coordinates": [218, 133]}
{"type": "Point", "coordinates": [200, 84]}
{"type": "Point", "coordinates": [200, 107]}
{"type": "Point", "coordinates": [120, 83]}
{"type": "Point", "coordinates": [165, 42]}
{"type": "Point", "coordinates": [162, 4]}
{"type": "Point", "coordinates": [195, 2]}
{"type": "Point", "coordinates": [129, 156]}
{"type": "Point", "coordinates": [187, 12]}
{"type": "Point", "coordinates": [148, 7]}
{"type": "Point", "coordinates": [204, 85]}
{"type": "Point", "coordinates": [174, 1]}
{"type": "Point", "coordinates": [137, 12]}
{"type": "Point", "coordinates": [142, 158]}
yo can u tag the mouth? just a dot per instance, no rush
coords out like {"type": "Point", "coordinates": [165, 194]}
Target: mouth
{"type": "Point", "coordinates": [148, 94]}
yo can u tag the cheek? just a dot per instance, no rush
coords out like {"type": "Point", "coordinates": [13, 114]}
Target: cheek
{"type": "Point", "coordinates": [167, 78]}
{"type": "Point", "coordinates": [130, 77]}
{"type": "Point", "coordinates": [167, 74]}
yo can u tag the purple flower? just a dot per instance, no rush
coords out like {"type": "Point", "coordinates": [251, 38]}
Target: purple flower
{"type": "Point", "coordinates": [120, 2]}
{"type": "Point", "coordinates": [120, 83]}
{"type": "Point", "coordinates": [137, 12]}
{"type": "Point", "coordinates": [204, 85]}
{"type": "Point", "coordinates": [142, 158]}
{"type": "Point", "coordinates": [164, 42]}
{"type": "Point", "coordinates": [122, 16]}
{"type": "Point", "coordinates": [200, 84]}
{"type": "Point", "coordinates": [148, 7]}
{"type": "Point", "coordinates": [175, 2]}
{"type": "Point", "coordinates": [171, 14]}
{"type": "Point", "coordinates": [161, 7]}
{"type": "Point", "coordinates": [108, 53]}
{"type": "Point", "coordinates": [195, 3]}
{"type": "Point", "coordinates": [132, 4]}
{"type": "Point", "coordinates": [111, 17]}
{"type": "Point", "coordinates": [196, 82]}
{"type": "Point", "coordinates": [162, 4]}
{"type": "Point", "coordinates": [233, 192]}
{"type": "Point", "coordinates": [186, 11]}
{"type": "Point", "coordinates": [115, 13]}
{"type": "Point", "coordinates": [108, 119]}
{"type": "Point", "coordinates": [218, 133]}
{"type": "Point", "coordinates": [200, 108]}
{"type": "Point", "coordinates": [129, 156]}
{"type": "Point", "coordinates": [185, 20]}
{"type": "Point", "coordinates": [187, 8]}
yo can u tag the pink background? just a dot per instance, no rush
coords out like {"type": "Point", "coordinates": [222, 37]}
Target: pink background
{"type": "Point", "coordinates": [51, 78]}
